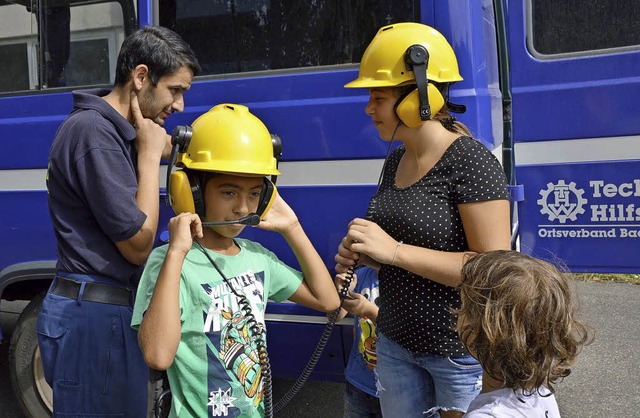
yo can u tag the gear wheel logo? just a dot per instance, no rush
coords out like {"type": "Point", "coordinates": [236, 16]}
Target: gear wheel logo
{"type": "Point", "coordinates": [562, 201]}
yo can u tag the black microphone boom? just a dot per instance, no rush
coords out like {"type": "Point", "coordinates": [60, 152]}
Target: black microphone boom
{"type": "Point", "coordinates": [252, 220]}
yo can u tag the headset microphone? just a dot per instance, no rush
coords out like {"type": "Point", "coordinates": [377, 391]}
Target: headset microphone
{"type": "Point", "coordinates": [251, 219]}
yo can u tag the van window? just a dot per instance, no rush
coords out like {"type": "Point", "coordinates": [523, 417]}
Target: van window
{"type": "Point", "coordinates": [562, 26]}
{"type": "Point", "coordinates": [46, 44]}
{"type": "Point", "coordinates": [254, 35]}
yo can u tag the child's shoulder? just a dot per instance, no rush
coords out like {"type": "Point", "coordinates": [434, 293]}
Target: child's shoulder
{"type": "Point", "coordinates": [367, 275]}
{"type": "Point", "coordinates": [252, 246]}
{"type": "Point", "coordinates": [159, 252]}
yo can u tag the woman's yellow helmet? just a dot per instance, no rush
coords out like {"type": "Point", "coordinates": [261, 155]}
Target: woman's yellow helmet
{"type": "Point", "coordinates": [383, 63]}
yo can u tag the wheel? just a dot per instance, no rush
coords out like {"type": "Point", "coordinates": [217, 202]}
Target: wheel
{"type": "Point", "coordinates": [25, 366]}
{"type": "Point", "coordinates": [159, 395]}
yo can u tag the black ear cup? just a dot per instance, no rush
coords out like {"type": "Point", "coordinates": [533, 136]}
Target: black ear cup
{"type": "Point", "coordinates": [197, 191]}
{"type": "Point", "coordinates": [267, 196]}
{"type": "Point", "coordinates": [186, 192]}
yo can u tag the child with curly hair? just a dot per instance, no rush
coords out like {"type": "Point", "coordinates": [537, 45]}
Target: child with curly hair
{"type": "Point", "coordinates": [517, 317]}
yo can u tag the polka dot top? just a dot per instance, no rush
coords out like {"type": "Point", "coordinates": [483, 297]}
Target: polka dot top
{"type": "Point", "coordinates": [414, 311]}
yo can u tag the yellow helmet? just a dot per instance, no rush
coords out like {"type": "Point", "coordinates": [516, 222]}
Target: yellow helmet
{"type": "Point", "coordinates": [383, 63]}
{"type": "Point", "coordinates": [404, 54]}
{"type": "Point", "coordinates": [227, 139]}
{"type": "Point", "coordinates": [230, 139]}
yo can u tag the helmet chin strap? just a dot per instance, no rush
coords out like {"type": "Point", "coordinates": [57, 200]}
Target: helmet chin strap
{"type": "Point", "coordinates": [456, 108]}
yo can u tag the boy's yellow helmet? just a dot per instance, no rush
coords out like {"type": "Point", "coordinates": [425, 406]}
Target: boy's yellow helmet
{"type": "Point", "coordinates": [230, 139]}
{"type": "Point", "coordinates": [383, 63]}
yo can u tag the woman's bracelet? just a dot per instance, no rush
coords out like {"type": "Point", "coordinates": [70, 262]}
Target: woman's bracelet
{"type": "Point", "coordinates": [395, 253]}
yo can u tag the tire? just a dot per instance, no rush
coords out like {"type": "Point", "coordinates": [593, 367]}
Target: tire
{"type": "Point", "coordinates": [159, 395]}
{"type": "Point", "coordinates": [27, 376]}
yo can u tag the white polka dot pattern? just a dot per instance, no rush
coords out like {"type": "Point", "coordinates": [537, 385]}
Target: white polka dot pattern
{"type": "Point", "coordinates": [414, 311]}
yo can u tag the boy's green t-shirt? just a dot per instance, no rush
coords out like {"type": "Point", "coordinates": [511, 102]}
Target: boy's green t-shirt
{"type": "Point", "coordinates": [216, 371]}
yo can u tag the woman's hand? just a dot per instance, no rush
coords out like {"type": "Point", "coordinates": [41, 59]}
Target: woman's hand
{"type": "Point", "coordinates": [368, 239]}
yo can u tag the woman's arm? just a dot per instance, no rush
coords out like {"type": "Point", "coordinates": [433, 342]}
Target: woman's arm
{"type": "Point", "coordinates": [317, 290]}
{"type": "Point", "coordinates": [486, 225]}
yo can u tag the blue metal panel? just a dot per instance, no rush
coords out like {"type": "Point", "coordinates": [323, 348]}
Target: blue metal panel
{"type": "Point", "coordinates": [25, 228]}
{"type": "Point", "coordinates": [584, 215]}
{"type": "Point", "coordinates": [289, 352]}
{"type": "Point", "coordinates": [324, 213]}
{"type": "Point", "coordinates": [27, 128]}
{"type": "Point", "coordinates": [588, 96]}
{"type": "Point", "coordinates": [471, 32]}
{"type": "Point", "coordinates": [576, 97]}
{"type": "Point", "coordinates": [145, 14]}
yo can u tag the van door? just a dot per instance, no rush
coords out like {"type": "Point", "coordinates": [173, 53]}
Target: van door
{"type": "Point", "coordinates": [575, 88]}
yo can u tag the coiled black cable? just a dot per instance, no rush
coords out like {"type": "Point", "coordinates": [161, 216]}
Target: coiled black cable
{"type": "Point", "coordinates": [259, 335]}
{"type": "Point", "coordinates": [295, 388]}
{"type": "Point", "coordinates": [342, 293]}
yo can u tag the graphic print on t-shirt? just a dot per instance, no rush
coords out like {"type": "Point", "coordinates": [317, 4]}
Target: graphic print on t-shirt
{"type": "Point", "coordinates": [368, 335]}
{"type": "Point", "coordinates": [367, 344]}
{"type": "Point", "coordinates": [232, 351]}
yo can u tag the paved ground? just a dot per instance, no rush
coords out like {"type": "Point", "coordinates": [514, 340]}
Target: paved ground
{"type": "Point", "coordinates": [605, 381]}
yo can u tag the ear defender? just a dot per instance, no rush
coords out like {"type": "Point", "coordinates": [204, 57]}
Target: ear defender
{"type": "Point", "coordinates": [408, 109]}
{"type": "Point", "coordinates": [186, 193]}
{"type": "Point", "coordinates": [267, 196]}
{"type": "Point", "coordinates": [426, 100]}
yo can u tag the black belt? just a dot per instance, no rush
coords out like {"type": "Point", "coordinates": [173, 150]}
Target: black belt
{"type": "Point", "coordinates": [93, 292]}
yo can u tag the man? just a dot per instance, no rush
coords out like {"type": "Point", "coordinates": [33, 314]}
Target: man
{"type": "Point", "coordinates": [103, 182]}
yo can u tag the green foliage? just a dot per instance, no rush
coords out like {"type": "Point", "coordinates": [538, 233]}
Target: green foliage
{"type": "Point", "coordinates": [599, 277]}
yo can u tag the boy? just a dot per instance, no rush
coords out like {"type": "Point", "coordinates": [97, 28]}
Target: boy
{"type": "Point", "coordinates": [360, 397]}
{"type": "Point", "coordinates": [517, 318]}
{"type": "Point", "coordinates": [200, 306]}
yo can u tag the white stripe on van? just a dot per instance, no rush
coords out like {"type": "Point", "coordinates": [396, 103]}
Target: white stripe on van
{"type": "Point", "coordinates": [578, 150]}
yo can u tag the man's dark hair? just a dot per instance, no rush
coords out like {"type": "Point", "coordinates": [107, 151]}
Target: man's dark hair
{"type": "Point", "coordinates": [160, 49]}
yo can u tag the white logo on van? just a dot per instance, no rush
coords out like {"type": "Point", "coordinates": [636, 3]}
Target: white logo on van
{"type": "Point", "coordinates": [562, 201]}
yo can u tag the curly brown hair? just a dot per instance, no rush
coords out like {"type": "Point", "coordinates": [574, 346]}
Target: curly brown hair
{"type": "Point", "coordinates": [517, 317]}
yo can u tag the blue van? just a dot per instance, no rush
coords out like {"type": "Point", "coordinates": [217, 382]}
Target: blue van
{"type": "Point", "coordinates": [550, 89]}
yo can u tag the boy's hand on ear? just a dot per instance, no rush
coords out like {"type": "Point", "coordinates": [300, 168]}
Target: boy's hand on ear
{"type": "Point", "coordinates": [182, 229]}
{"type": "Point", "coordinates": [280, 218]}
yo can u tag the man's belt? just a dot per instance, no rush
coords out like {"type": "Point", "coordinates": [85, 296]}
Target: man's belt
{"type": "Point", "coordinates": [93, 292]}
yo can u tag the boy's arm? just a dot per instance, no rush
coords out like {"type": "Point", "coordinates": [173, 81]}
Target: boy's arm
{"type": "Point", "coordinates": [160, 330]}
{"type": "Point", "coordinates": [359, 305]}
{"type": "Point", "coordinates": [317, 290]}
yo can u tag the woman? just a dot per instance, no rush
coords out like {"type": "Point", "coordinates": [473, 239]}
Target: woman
{"type": "Point", "coordinates": [442, 195]}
